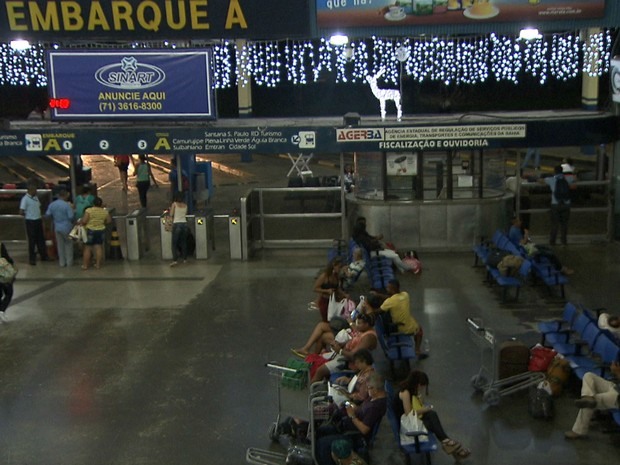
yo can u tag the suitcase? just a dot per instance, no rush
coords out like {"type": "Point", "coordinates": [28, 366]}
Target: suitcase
{"type": "Point", "coordinates": [513, 358]}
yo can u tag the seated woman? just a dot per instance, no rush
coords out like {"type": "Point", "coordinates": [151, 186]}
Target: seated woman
{"type": "Point", "coordinates": [363, 336]}
{"type": "Point", "coordinates": [362, 362]}
{"type": "Point", "coordinates": [412, 393]}
{"type": "Point", "coordinates": [351, 272]}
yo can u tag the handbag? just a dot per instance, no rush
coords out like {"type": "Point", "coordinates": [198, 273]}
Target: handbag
{"type": "Point", "coordinates": [343, 336]}
{"type": "Point", "coordinates": [167, 220]}
{"type": "Point", "coordinates": [412, 423]}
{"type": "Point", "coordinates": [7, 271]}
{"type": "Point", "coordinates": [334, 307]}
{"type": "Point", "coordinates": [78, 233]}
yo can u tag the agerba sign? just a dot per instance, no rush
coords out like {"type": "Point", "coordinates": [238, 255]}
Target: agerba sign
{"type": "Point", "coordinates": [132, 19]}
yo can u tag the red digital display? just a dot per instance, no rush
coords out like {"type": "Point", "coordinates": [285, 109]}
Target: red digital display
{"type": "Point", "coordinates": [60, 103]}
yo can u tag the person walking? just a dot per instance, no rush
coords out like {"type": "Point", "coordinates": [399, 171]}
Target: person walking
{"type": "Point", "coordinates": [178, 212]}
{"type": "Point", "coordinates": [143, 182]}
{"type": "Point", "coordinates": [122, 163]}
{"type": "Point", "coordinates": [30, 209]}
{"type": "Point", "coordinates": [62, 215]}
{"type": "Point", "coordinates": [94, 220]}
{"type": "Point", "coordinates": [560, 205]}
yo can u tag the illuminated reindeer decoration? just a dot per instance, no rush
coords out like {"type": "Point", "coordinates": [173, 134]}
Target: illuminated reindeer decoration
{"type": "Point", "coordinates": [384, 95]}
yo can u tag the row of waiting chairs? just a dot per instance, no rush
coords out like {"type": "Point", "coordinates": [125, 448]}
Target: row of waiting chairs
{"type": "Point", "coordinates": [587, 348]}
{"type": "Point", "coordinates": [379, 269]}
{"type": "Point", "coordinates": [538, 267]}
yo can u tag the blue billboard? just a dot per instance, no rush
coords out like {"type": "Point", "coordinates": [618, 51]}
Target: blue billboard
{"type": "Point", "coordinates": [130, 85]}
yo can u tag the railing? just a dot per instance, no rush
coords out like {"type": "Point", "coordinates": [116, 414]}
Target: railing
{"type": "Point", "coordinates": [278, 217]}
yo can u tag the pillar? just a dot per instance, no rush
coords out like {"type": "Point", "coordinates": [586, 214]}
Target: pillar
{"type": "Point", "coordinates": [589, 89]}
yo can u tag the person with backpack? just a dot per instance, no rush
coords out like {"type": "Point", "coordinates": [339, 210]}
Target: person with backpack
{"type": "Point", "coordinates": [560, 204]}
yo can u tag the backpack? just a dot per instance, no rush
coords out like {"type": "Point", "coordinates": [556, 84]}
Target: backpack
{"type": "Point", "coordinates": [540, 404]}
{"type": "Point", "coordinates": [561, 191]}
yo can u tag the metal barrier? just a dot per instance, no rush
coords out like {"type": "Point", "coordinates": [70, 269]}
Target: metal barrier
{"type": "Point", "coordinates": [136, 234]}
{"type": "Point", "coordinates": [264, 224]}
{"type": "Point", "coordinates": [165, 238]}
{"type": "Point", "coordinates": [204, 232]}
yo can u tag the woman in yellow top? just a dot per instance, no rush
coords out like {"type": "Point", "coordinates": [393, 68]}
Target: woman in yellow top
{"type": "Point", "coordinates": [412, 393]}
{"type": "Point", "coordinates": [94, 220]}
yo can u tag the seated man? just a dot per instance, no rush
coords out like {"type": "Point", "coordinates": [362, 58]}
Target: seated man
{"type": "Point", "coordinates": [373, 243]}
{"type": "Point", "coordinates": [360, 419]}
{"type": "Point", "coordinates": [596, 393]}
{"type": "Point", "coordinates": [521, 238]}
{"type": "Point", "coordinates": [398, 305]}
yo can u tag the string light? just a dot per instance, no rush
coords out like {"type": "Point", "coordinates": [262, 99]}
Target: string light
{"type": "Point", "coordinates": [22, 67]}
{"type": "Point", "coordinates": [471, 60]}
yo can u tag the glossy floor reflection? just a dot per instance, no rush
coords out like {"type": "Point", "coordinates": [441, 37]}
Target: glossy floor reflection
{"type": "Point", "coordinates": [144, 364]}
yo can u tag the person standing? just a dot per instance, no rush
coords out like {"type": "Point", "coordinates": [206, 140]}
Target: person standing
{"type": "Point", "coordinates": [94, 220]}
{"type": "Point", "coordinates": [178, 212]}
{"type": "Point", "coordinates": [83, 201]}
{"type": "Point", "coordinates": [560, 205]}
{"type": "Point", "coordinates": [122, 163]}
{"type": "Point", "coordinates": [30, 208]}
{"type": "Point", "coordinates": [532, 152]}
{"type": "Point", "coordinates": [143, 174]}
{"type": "Point", "coordinates": [61, 212]}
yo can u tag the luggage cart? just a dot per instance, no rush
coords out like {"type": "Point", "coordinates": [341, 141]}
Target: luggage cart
{"type": "Point", "coordinates": [486, 380]}
{"type": "Point", "coordinates": [312, 404]}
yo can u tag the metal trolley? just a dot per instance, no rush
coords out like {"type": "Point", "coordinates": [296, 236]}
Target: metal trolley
{"type": "Point", "coordinates": [486, 380]}
{"type": "Point", "coordinates": [297, 399]}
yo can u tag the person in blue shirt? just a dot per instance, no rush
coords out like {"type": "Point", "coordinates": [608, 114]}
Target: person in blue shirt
{"type": "Point", "coordinates": [61, 212]}
{"type": "Point", "coordinates": [30, 209]}
{"type": "Point", "coordinates": [560, 210]}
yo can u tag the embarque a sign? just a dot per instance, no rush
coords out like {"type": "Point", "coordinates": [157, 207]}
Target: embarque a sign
{"type": "Point", "coordinates": [137, 18]}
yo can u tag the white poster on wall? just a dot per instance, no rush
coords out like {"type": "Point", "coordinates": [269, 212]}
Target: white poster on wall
{"type": "Point", "coordinates": [399, 164]}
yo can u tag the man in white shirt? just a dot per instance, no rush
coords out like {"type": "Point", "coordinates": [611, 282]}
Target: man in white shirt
{"type": "Point", "coordinates": [30, 208]}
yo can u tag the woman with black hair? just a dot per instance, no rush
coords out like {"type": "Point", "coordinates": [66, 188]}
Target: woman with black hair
{"type": "Point", "coordinates": [412, 393]}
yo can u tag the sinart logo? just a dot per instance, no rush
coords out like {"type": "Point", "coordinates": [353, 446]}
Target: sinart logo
{"type": "Point", "coordinates": [129, 74]}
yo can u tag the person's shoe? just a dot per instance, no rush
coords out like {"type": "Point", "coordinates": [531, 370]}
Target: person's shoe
{"type": "Point", "coordinates": [3, 318]}
{"type": "Point", "coordinates": [173, 264]}
{"type": "Point", "coordinates": [567, 271]}
{"type": "Point", "coordinates": [33, 262]}
{"type": "Point", "coordinates": [572, 435]}
{"type": "Point", "coordinates": [586, 402]}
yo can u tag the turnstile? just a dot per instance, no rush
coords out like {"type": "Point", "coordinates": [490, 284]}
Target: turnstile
{"type": "Point", "coordinates": [136, 234]}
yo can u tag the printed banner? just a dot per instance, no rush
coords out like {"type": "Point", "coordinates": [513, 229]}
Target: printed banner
{"type": "Point", "coordinates": [163, 141]}
{"type": "Point", "coordinates": [361, 13]}
{"type": "Point", "coordinates": [130, 85]}
{"type": "Point", "coordinates": [142, 19]}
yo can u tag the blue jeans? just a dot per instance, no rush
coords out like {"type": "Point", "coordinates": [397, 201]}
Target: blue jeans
{"type": "Point", "coordinates": [528, 156]}
{"type": "Point", "coordinates": [179, 241]}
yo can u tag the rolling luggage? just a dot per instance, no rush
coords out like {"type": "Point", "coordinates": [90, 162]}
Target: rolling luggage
{"type": "Point", "coordinates": [513, 358]}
